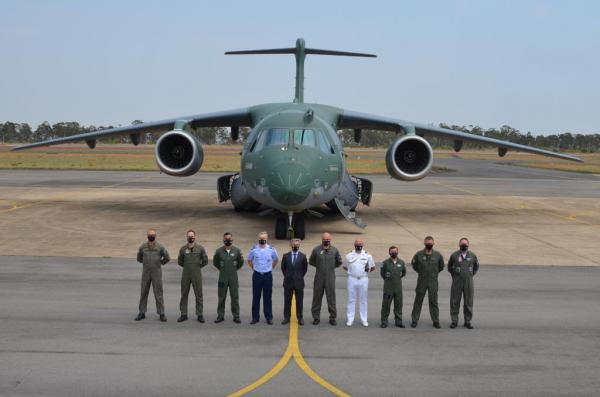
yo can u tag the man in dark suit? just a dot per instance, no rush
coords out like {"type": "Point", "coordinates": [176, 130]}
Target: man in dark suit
{"type": "Point", "coordinates": [294, 266]}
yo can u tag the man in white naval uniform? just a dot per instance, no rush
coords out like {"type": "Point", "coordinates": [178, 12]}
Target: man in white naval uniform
{"type": "Point", "coordinates": [358, 264]}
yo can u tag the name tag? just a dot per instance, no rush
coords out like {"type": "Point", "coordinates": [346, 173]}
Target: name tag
{"type": "Point", "coordinates": [187, 251]}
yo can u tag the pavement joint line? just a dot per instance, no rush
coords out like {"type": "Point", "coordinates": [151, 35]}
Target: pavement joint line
{"type": "Point", "coordinates": [292, 351]}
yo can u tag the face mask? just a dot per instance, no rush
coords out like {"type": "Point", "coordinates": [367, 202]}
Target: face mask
{"type": "Point", "coordinates": [151, 238]}
{"type": "Point", "coordinates": [262, 242]}
{"type": "Point", "coordinates": [428, 247]}
{"type": "Point", "coordinates": [326, 243]}
{"type": "Point", "coordinates": [358, 248]}
{"type": "Point", "coordinates": [228, 242]}
{"type": "Point", "coordinates": [464, 247]}
{"type": "Point", "coordinates": [191, 239]}
{"type": "Point", "coordinates": [295, 249]}
{"type": "Point", "coordinates": [394, 254]}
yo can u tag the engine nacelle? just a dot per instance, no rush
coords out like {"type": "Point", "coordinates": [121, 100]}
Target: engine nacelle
{"type": "Point", "coordinates": [409, 158]}
{"type": "Point", "coordinates": [178, 153]}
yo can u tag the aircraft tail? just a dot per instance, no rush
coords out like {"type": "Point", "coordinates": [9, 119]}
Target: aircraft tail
{"type": "Point", "coordinates": [300, 52]}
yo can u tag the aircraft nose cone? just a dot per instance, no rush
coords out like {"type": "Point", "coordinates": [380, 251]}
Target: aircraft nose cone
{"type": "Point", "coordinates": [289, 183]}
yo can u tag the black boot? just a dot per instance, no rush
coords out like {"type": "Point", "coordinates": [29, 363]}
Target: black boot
{"type": "Point", "coordinates": [163, 318]}
{"type": "Point", "coordinates": [383, 324]}
{"type": "Point", "coordinates": [201, 318]}
{"type": "Point", "coordinates": [437, 325]}
{"type": "Point", "coordinates": [413, 324]}
{"type": "Point", "coordinates": [140, 316]}
{"type": "Point", "coordinates": [220, 320]}
{"type": "Point", "coordinates": [468, 325]}
{"type": "Point", "coordinates": [399, 324]}
{"type": "Point", "coordinates": [182, 318]}
{"type": "Point", "coordinates": [453, 325]}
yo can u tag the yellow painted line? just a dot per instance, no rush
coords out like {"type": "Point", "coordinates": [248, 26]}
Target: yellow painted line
{"type": "Point", "coordinates": [459, 189]}
{"type": "Point", "coordinates": [61, 198]}
{"type": "Point", "coordinates": [31, 204]}
{"type": "Point", "coordinates": [293, 350]}
{"type": "Point", "coordinates": [126, 182]}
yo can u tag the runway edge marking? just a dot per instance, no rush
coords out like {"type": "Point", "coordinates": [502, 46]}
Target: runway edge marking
{"type": "Point", "coordinates": [293, 350]}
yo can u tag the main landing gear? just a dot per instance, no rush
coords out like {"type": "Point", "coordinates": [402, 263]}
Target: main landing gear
{"type": "Point", "coordinates": [290, 225]}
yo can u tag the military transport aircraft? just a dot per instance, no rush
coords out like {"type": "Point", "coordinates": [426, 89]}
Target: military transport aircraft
{"type": "Point", "coordinates": [293, 160]}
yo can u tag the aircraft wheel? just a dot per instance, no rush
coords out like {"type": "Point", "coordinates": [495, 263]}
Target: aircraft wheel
{"type": "Point", "coordinates": [281, 227]}
{"type": "Point", "coordinates": [299, 231]}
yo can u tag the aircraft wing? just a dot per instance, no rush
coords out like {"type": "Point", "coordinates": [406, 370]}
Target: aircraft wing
{"type": "Point", "coordinates": [351, 119]}
{"type": "Point", "coordinates": [236, 117]}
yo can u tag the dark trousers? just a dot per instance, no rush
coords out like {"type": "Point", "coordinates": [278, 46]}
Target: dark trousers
{"type": "Point", "coordinates": [262, 284]}
{"type": "Point", "coordinates": [287, 302]}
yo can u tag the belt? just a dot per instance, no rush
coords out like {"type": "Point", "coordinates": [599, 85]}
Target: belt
{"type": "Point", "coordinates": [263, 273]}
{"type": "Point", "coordinates": [357, 277]}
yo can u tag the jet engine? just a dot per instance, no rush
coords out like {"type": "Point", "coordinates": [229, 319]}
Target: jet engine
{"type": "Point", "coordinates": [409, 158]}
{"type": "Point", "coordinates": [178, 153]}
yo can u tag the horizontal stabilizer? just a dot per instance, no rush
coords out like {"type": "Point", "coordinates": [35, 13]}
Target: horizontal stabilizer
{"type": "Point", "coordinates": [315, 51]}
{"type": "Point", "coordinates": [300, 52]}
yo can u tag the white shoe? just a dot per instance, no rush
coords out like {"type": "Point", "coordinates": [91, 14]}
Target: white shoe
{"type": "Point", "coordinates": [348, 323]}
{"type": "Point", "coordinates": [365, 324]}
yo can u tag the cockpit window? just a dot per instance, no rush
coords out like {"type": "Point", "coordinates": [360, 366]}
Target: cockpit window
{"type": "Point", "coordinates": [305, 137]}
{"type": "Point", "coordinates": [272, 136]}
{"type": "Point", "coordinates": [313, 138]}
{"type": "Point", "coordinates": [324, 145]}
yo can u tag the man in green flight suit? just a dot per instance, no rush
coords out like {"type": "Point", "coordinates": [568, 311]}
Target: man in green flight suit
{"type": "Point", "coordinates": [152, 255]}
{"type": "Point", "coordinates": [228, 259]}
{"type": "Point", "coordinates": [192, 258]}
{"type": "Point", "coordinates": [462, 265]}
{"type": "Point", "coordinates": [325, 258]}
{"type": "Point", "coordinates": [392, 271]}
{"type": "Point", "coordinates": [428, 263]}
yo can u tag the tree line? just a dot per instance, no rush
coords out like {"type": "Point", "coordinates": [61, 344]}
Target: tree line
{"type": "Point", "coordinates": [587, 143]}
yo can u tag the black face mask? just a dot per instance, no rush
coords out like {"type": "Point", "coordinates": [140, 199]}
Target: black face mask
{"type": "Point", "coordinates": [464, 247]}
{"type": "Point", "coordinates": [151, 238]}
{"type": "Point", "coordinates": [428, 247]}
{"type": "Point", "coordinates": [228, 242]}
{"type": "Point", "coordinates": [394, 254]}
{"type": "Point", "coordinates": [191, 239]}
{"type": "Point", "coordinates": [358, 248]}
{"type": "Point", "coordinates": [262, 242]}
{"type": "Point", "coordinates": [295, 249]}
{"type": "Point", "coordinates": [326, 243]}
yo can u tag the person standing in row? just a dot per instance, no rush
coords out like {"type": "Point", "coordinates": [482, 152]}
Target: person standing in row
{"type": "Point", "coordinates": [358, 263]}
{"type": "Point", "coordinates": [152, 255]}
{"type": "Point", "coordinates": [392, 271]}
{"type": "Point", "coordinates": [294, 266]}
{"type": "Point", "coordinates": [428, 263]}
{"type": "Point", "coordinates": [228, 259]}
{"type": "Point", "coordinates": [462, 265]}
{"type": "Point", "coordinates": [192, 258]}
{"type": "Point", "coordinates": [262, 259]}
{"type": "Point", "coordinates": [325, 258]}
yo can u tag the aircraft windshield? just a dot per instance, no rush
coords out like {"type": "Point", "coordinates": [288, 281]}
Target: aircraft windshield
{"type": "Point", "coordinates": [313, 138]}
{"type": "Point", "coordinates": [305, 137]}
{"type": "Point", "coordinates": [272, 136]}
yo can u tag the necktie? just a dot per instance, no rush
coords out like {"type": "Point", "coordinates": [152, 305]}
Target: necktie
{"type": "Point", "coordinates": [294, 258]}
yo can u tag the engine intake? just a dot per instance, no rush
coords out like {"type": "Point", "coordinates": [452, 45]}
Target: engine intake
{"type": "Point", "coordinates": [178, 153]}
{"type": "Point", "coordinates": [409, 158]}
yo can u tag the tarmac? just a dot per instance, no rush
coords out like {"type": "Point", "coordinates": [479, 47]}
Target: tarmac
{"type": "Point", "coordinates": [69, 287]}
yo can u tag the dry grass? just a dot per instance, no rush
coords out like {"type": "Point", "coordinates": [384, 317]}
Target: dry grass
{"type": "Point", "coordinates": [227, 159]}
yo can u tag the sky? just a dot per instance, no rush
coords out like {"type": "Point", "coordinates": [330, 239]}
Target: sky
{"type": "Point", "coordinates": [533, 65]}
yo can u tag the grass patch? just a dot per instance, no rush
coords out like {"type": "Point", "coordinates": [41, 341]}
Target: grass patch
{"type": "Point", "coordinates": [227, 159]}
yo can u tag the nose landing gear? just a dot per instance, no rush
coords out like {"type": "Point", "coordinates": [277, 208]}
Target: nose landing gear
{"type": "Point", "coordinates": [290, 225]}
